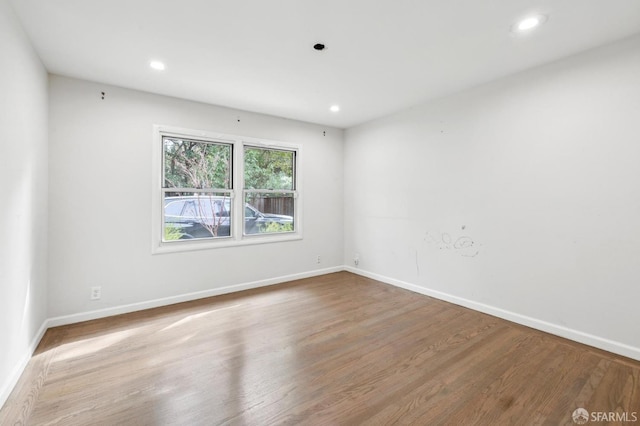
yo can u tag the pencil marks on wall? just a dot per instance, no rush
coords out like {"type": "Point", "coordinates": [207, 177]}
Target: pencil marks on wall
{"type": "Point", "coordinates": [462, 245]}
{"type": "Point", "coordinates": [433, 247]}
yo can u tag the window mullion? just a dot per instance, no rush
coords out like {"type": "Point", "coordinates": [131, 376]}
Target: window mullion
{"type": "Point", "coordinates": [237, 161]}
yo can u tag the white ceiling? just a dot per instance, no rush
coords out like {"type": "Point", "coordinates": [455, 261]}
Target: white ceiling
{"type": "Point", "coordinates": [257, 55]}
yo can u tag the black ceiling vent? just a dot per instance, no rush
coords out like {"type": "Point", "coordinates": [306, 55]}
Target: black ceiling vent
{"type": "Point", "coordinates": [318, 46]}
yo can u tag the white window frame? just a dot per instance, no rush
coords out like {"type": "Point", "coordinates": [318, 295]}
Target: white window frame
{"type": "Point", "coordinates": [237, 237]}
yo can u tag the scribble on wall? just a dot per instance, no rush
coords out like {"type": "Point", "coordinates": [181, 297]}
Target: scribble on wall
{"type": "Point", "coordinates": [462, 245]}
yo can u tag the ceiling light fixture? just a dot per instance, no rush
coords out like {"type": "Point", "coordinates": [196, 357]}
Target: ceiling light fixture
{"type": "Point", "coordinates": [528, 23]}
{"type": "Point", "coordinates": [334, 108]}
{"type": "Point", "coordinates": [157, 65]}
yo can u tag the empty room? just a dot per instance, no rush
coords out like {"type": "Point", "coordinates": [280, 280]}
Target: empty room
{"type": "Point", "coordinates": [329, 213]}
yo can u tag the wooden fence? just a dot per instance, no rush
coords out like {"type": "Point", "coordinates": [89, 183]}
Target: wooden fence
{"type": "Point", "coordinates": [273, 205]}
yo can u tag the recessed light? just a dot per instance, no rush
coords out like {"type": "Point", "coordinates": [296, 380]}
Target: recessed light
{"type": "Point", "coordinates": [334, 108]}
{"type": "Point", "coordinates": [157, 65]}
{"type": "Point", "coordinates": [528, 23]}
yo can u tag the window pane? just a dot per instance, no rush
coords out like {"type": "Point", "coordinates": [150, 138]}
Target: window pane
{"type": "Point", "coordinates": [268, 169]}
{"type": "Point", "coordinates": [203, 215]}
{"type": "Point", "coordinates": [196, 164]}
{"type": "Point", "coordinates": [268, 213]}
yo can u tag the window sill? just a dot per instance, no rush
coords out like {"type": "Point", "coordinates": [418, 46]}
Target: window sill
{"type": "Point", "coordinates": [190, 245]}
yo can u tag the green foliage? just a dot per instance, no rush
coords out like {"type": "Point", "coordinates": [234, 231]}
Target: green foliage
{"type": "Point", "coordinates": [208, 165]}
{"type": "Point", "coordinates": [195, 164]}
{"type": "Point", "coordinates": [171, 232]}
{"type": "Point", "coordinates": [269, 227]}
{"type": "Point", "coordinates": [268, 169]}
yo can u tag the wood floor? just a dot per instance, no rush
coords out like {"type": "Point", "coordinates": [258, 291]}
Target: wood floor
{"type": "Point", "coordinates": [333, 350]}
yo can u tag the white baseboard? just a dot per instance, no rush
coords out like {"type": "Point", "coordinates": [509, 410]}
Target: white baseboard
{"type": "Point", "coordinates": [124, 309]}
{"type": "Point", "coordinates": [10, 383]}
{"type": "Point", "coordinates": [558, 330]}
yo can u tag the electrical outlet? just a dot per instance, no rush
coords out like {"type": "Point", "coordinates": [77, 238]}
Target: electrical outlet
{"type": "Point", "coordinates": [96, 292]}
{"type": "Point", "coordinates": [318, 259]}
{"type": "Point", "coordinates": [356, 259]}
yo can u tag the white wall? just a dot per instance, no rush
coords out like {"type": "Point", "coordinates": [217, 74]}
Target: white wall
{"type": "Point", "coordinates": [23, 211]}
{"type": "Point", "coordinates": [540, 172]}
{"type": "Point", "coordinates": [100, 200]}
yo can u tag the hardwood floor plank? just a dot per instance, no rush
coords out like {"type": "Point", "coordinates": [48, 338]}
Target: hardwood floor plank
{"type": "Point", "coordinates": [339, 349]}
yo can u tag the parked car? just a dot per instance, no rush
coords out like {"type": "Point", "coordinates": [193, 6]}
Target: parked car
{"type": "Point", "coordinates": [206, 216]}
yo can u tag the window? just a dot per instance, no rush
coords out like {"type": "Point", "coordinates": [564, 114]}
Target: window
{"type": "Point", "coordinates": [269, 190]}
{"type": "Point", "coordinates": [197, 184]}
{"type": "Point", "coordinates": [222, 190]}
